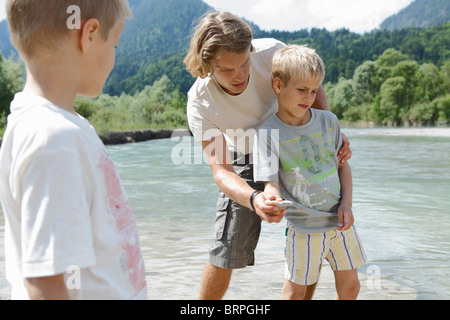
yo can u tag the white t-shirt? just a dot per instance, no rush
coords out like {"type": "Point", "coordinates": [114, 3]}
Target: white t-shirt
{"type": "Point", "coordinates": [212, 112]}
{"type": "Point", "coordinates": [65, 208]}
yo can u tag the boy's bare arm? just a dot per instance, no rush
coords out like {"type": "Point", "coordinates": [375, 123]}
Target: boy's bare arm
{"type": "Point", "coordinates": [47, 288]}
{"type": "Point", "coordinates": [345, 212]}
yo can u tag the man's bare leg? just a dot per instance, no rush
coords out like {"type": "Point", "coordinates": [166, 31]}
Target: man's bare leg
{"type": "Point", "coordinates": [215, 282]}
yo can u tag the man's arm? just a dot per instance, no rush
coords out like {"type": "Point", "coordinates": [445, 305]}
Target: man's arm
{"type": "Point", "coordinates": [47, 288]}
{"type": "Point", "coordinates": [219, 159]}
{"type": "Point", "coordinates": [321, 103]}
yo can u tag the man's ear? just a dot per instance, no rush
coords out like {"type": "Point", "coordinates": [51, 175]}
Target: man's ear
{"type": "Point", "coordinates": [89, 31]}
{"type": "Point", "coordinates": [276, 84]}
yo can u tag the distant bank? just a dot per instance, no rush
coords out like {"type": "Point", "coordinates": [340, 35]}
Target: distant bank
{"type": "Point", "coordinates": [123, 137]}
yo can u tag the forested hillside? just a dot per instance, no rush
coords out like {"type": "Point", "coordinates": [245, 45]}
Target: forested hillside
{"type": "Point", "coordinates": [153, 44]}
{"type": "Point", "coordinates": [343, 51]}
{"type": "Point", "coordinates": [383, 76]}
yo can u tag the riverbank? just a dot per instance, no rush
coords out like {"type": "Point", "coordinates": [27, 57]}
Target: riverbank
{"type": "Point", "coordinates": [123, 137]}
{"type": "Point", "coordinates": [132, 136]}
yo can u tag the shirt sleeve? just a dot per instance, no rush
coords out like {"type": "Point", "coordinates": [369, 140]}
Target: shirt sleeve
{"type": "Point", "coordinates": [337, 129]}
{"type": "Point", "coordinates": [266, 155]}
{"type": "Point", "coordinates": [201, 127]}
{"type": "Point", "coordinates": [56, 226]}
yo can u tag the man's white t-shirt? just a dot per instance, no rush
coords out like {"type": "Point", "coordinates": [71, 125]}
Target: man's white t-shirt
{"type": "Point", "coordinates": [65, 208]}
{"type": "Point", "coordinates": [212, 112]}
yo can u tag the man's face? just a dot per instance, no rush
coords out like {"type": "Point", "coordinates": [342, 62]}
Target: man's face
{"type": "Point", "coordinates": [232, 71]}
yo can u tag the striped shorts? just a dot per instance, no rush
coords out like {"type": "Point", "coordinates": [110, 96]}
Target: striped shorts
{"type": "Point", "coordinates": [304, 253]}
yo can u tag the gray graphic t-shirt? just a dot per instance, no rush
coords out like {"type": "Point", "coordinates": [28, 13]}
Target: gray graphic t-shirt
{"type": "Point", "coordinates": [303, 159]}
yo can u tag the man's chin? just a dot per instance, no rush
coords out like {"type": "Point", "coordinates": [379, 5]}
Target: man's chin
{"type": "Point", "coordinates": [237, 90]}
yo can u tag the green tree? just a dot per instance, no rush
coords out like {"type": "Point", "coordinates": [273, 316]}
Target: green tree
{"type": "Point", "coordinates": [387, 61]}
{"type": "Point", "coordinates": [443, 107]}
{"type": "Point", "coordinates": [393, 92]}
{"type": "Point", "coordinates": [365, 82]}
{"type": "Point", "coordinates": [408, 70]}
{"type": "Point", "coordinates": [445, 76]}
{"type": "Point", "coordinates": [341, 97]}
{"type": "Point", "coordinates": [11, 81]}
{"type": "Point", "coordinates": [430, 83]}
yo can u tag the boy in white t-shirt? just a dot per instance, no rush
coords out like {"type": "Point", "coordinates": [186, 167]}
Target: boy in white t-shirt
{"type": "Point", "coordinates": [69, 230]}
{"type": "Point", "coordinates": [230, 100]}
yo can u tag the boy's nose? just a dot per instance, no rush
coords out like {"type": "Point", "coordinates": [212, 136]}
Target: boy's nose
{"type": "Point", "coordinates": [308, 97]}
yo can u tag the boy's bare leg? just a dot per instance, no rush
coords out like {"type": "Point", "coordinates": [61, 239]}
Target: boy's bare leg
{"type": "Point", "coordinates": [215, 282]}
{"type": "Point", "coordinates": [347, 284]}
{"type": "Point", "coordinates": [310, 291]}
{"type": "Point", "coordinates": [293, 291]}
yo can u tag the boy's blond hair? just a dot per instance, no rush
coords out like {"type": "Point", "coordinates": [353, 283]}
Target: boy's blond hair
{"type": "Point", "coordinates": [216, 34]}
{"type": "Point", "coordinates": [37, 25]}
{"type": "Point", "coordinates": [297, 62]}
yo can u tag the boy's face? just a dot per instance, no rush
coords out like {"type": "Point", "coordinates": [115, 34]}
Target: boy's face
{"type": "Point", "coordinates": [101, 61]}
{"type": "Point", "coordinates": [232, 72]}
{"type": "Point", "coordinates": [295, 99]}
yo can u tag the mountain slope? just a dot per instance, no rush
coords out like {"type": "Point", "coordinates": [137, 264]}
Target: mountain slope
{"type": "Point", "coordinates": [419, 14]}
{"type": "Point", "coordinates": [6, 47]}
{"type": "Point", "coordinates": [158, 31]}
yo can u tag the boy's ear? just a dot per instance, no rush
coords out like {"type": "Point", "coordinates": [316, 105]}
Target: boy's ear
{"type": "Point", "coordinates": [276, 84]}
{"type": "Point", "coordinates": [89, 31]}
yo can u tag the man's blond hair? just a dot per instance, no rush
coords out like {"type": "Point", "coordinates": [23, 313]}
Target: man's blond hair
{"type": "Point", "coordinates": [297, 62]}
{"type": "Point", "coordinates": [216, 34]}
{"type": "Point", "coordinates": [41, 25]}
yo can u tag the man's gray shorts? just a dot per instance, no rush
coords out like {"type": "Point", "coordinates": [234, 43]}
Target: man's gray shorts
{"type": "Point", "coordinates": [237, 227]}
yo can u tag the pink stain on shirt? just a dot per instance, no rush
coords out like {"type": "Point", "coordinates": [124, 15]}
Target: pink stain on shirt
{"type": "Point", "coordinates": [120, 209]}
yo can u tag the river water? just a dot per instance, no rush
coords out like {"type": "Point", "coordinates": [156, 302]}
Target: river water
{"type": "Point", "coordinates": [401, 204]}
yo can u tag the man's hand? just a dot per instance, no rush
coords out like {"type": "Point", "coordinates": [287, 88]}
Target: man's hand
{"type": "Point", "coordinates": [345, 153]}
{"type": "Point", "coordinates": [266, 209]}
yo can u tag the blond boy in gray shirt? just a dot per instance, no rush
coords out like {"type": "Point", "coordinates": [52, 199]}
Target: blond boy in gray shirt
{"type": "Point", "coordinates": [295, 155]}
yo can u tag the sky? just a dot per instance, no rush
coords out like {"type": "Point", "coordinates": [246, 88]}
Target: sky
{"type": "Point", "coordinates": [356, 15]}
{"type": "Point", "coordinates": [291, 15]}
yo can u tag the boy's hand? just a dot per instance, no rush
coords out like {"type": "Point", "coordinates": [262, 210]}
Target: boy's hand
{"type": "Point", "coordinates": [346, 218]}
{"type": "Point", "coordinates": [266, 207]}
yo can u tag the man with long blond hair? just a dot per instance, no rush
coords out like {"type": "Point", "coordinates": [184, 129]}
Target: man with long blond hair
{"type": "Point", "coordinates": [230, 100]}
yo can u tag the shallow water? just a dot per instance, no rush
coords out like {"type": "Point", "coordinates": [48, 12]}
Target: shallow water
{"type": "Point", "coordinates": [401, 204]}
